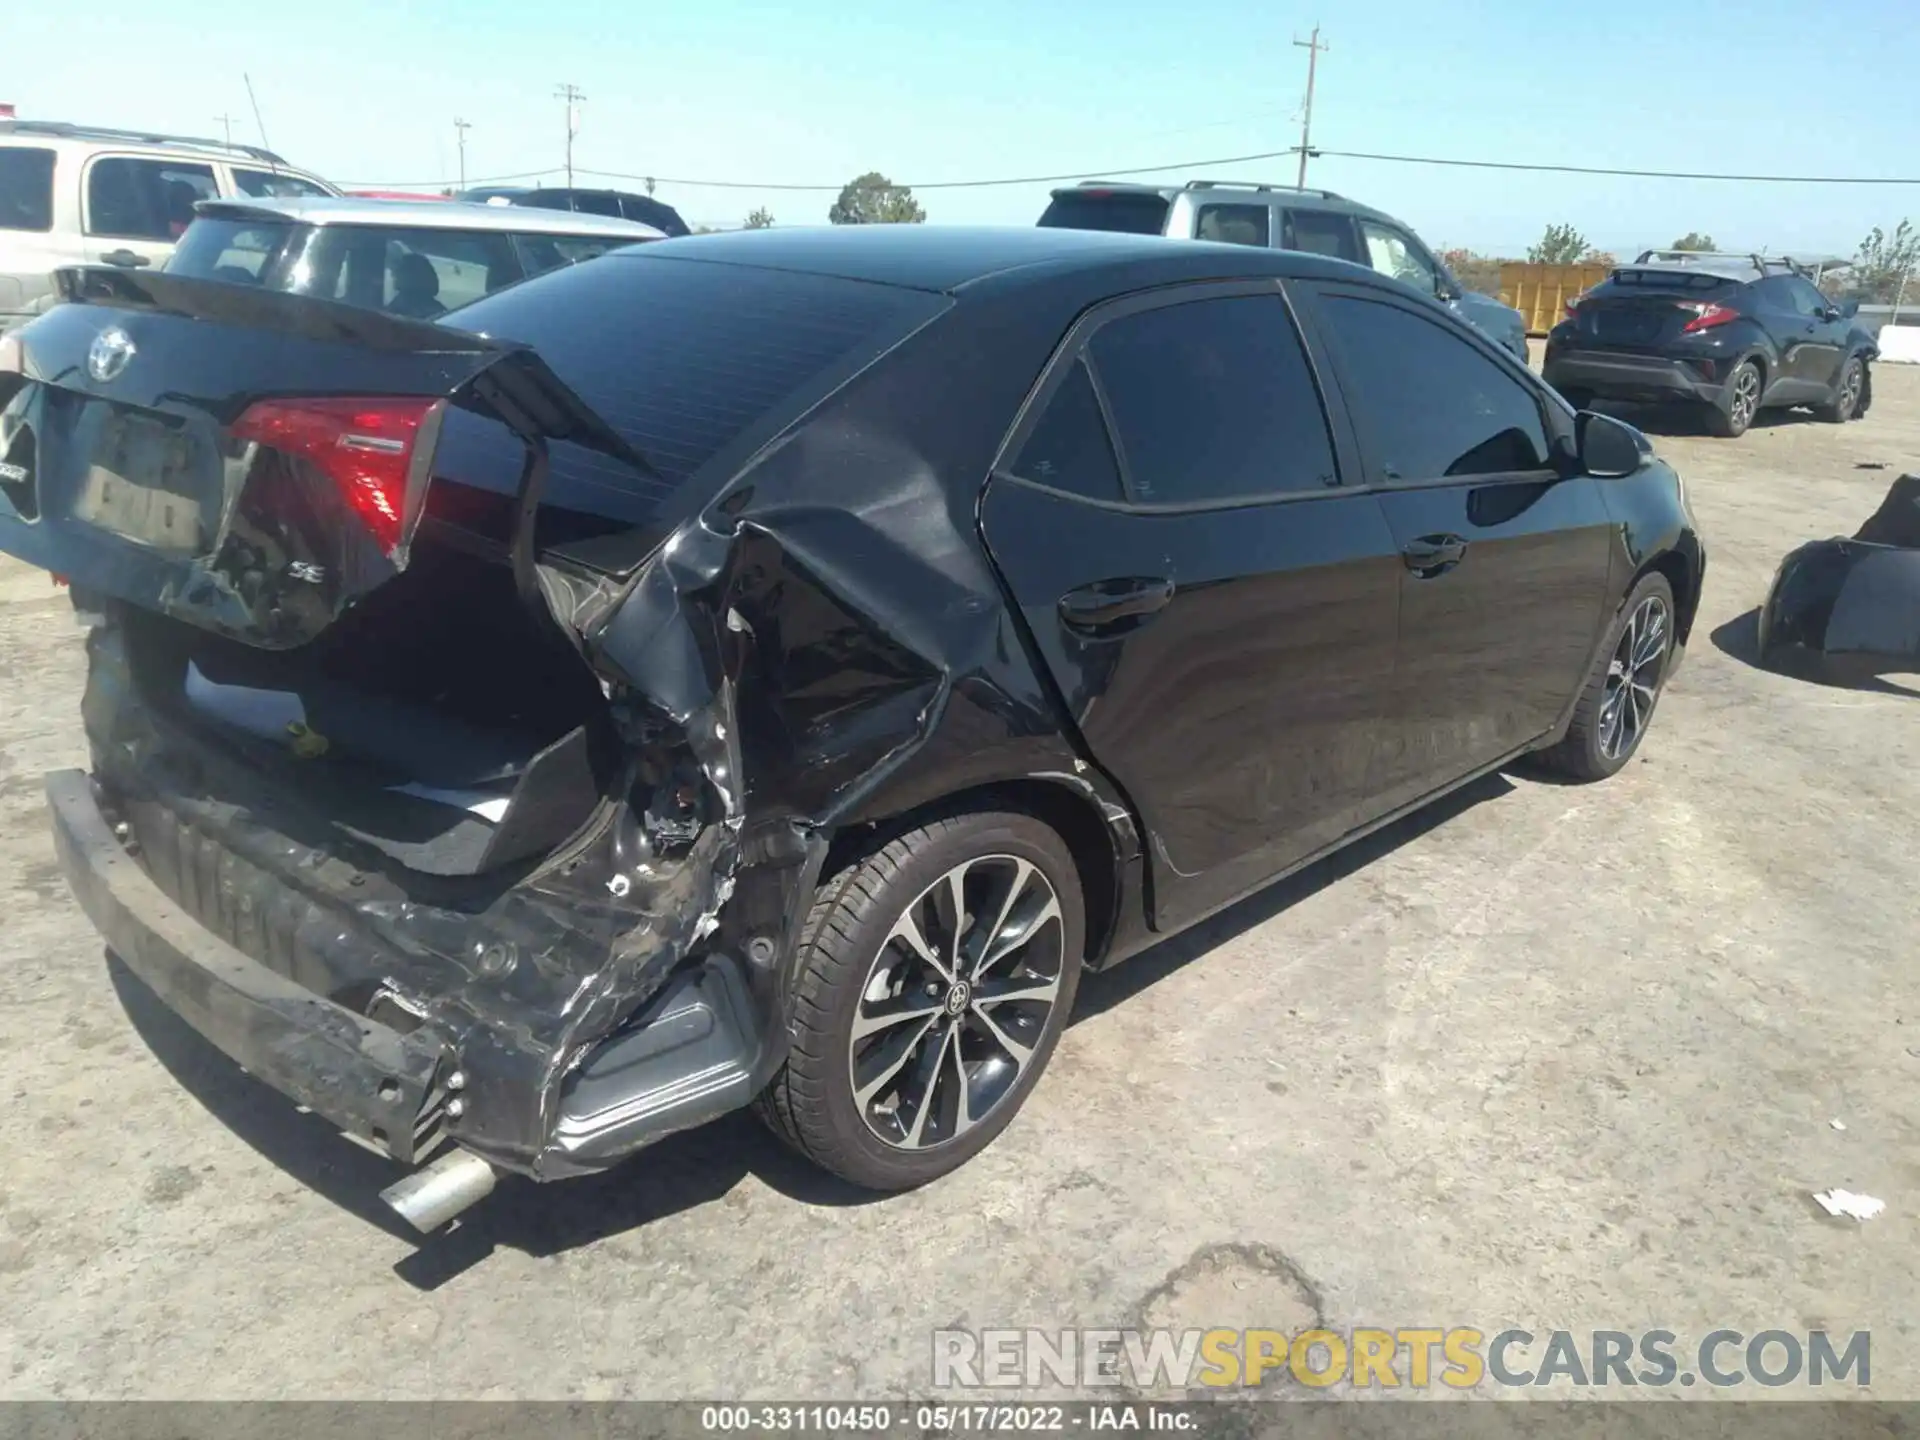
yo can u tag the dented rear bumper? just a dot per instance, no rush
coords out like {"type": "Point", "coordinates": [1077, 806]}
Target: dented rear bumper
{"type": "Point", "coordinates": [371, 1081]}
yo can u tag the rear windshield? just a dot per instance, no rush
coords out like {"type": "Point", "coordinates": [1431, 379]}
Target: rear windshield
{"type": "Point", "coordinates": [26, 188]}
{"type": "Point", "coordinates": [684, 358]}
{"type": "Point", "coordinates": [1129, 213]}
{"type": "Point", "coordinates": [419, 273]}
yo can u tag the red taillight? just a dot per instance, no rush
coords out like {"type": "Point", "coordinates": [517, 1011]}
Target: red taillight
{"type": "Point", "coordinates": [1707, 315]}
{"type": "Point", "coordinates": [1573, 306]}
{"type": "Point", "coordinates": [364, 446]}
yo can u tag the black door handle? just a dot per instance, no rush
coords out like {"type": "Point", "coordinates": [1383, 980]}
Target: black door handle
{"type": "Point", "coordinates": [1105, 603]}
{"type": "Point", "coordinates": [1433, 555]}
{"type": "Point", "coordinates": [126, 259]}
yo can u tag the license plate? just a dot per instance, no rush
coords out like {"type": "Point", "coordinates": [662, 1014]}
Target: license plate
{"type": "Point", "coordinates": [139, 484]}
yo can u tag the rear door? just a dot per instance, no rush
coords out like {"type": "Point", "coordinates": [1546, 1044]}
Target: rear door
{"type": "Point", "coordinates": [136, 206]}
{"type": "Point", "coordinates": [1503, 558]}
{"type": "Point", "coordinates": [1320, 232]}
{"type": "Point", "coordinates": [1215, 608]}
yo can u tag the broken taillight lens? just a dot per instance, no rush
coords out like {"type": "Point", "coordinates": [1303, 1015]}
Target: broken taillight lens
{"type": "Point", "coordinates": [366, 447]}
{"type": "Point", "coordinates": [1707, 315]}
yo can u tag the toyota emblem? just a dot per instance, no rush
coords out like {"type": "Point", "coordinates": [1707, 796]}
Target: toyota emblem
{"type": "Point", "coordinates": [108, 355]}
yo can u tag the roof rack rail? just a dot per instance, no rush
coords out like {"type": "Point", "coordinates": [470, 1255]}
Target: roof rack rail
{"type": "Point", "coordinates": [64, 130]}
{"type": "Point", "coordinates": [1760, 262]}
{"type": "Point", "coordinates": [1263, 185]}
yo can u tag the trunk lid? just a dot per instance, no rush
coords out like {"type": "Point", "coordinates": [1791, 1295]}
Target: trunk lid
{"type": "Point", "coordinates": [1646, 310]}
{"type": "Point", "coordinates": [249, 461]}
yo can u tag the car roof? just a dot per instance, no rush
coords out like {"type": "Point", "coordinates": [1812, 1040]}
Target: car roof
{"type": "Point", "coordinates": [52, 134]}
{"type": "Point", "coordinates": [949, 258]}
{"type": "Point", "coordinates": [426, 215]}
{"type": "Point", "coordinates": [1293, 196]}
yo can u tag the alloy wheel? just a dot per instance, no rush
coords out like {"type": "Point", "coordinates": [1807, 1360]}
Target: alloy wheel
{"type": "Point", "coordinates": [1746, 396]}
{"type": "Point", "coordinates": [1850, 391]}
{"type": "Point", "coordinates": [1633, 678]}
{"type": "Point", "coordinates": [957, 1002]}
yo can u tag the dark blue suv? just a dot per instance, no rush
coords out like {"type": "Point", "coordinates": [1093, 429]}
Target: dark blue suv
{"type": "Point", "coordinates": [1733, 334]}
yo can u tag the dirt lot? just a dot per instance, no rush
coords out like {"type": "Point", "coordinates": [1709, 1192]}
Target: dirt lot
{"type": "Point", "coordinates": [1549, 1057]}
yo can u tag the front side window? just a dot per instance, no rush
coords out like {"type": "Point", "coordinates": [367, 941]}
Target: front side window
{"type": "Point", "coordinates": [1214, 400]}
{"type": "Point", "coordinates": [1319, 232]}
{"type": "Point", "coordinates": [26, 188]}
{"type": "Point", "coordinates": [1807, 300]}
{"type": "Point", "coordinates": [1069, 449]}
{"type": "Point", "coordinates": [145, 199]}
{"type": "Point", "coordinates": [270, 184]}
{"type": "Point", "coordinates": [1233, 224]}
{"type": "Point", "coordinates": [1431, 405]}
{"type": "Point", "coordinates": [1391, 253]}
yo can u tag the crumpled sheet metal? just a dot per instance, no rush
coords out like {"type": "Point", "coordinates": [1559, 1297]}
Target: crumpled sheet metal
{"type": "Point", "coordinates": [1850, 607]}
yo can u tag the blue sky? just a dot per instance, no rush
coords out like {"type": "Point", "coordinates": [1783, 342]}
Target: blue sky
{"type": "Point", "coordinates": [755, 91]}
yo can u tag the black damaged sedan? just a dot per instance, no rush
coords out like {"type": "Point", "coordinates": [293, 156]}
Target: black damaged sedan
{"type": "Point", "coordinates": [769, 669]}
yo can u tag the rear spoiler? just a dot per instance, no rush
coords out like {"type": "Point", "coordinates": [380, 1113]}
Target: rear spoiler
{"type": "Point", "coordinates": [269, 555]}
{"type": "Point", "coordinates": [432, 359]}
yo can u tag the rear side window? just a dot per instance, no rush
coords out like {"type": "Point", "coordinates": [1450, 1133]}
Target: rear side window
{"type": "Point", "coordinates": [145, 199]}
{"type": "Point", "coordinates": [1069, 449]}
{"type": "Point", "coordinates": [683, 357]}
{"type": "Point", "coordinates": [26, 188]}
{"type": "Point", "coordinates": [1233, 224]}
{"type": "Point", "coordinates": [1214, 400]}
{"type": "Point", "coordinates": [418, 273]}
{"type": "Point", "coordinates": [1320, 232]}
{"type": "Point", "coordinates": [541, 253]}
{"type": "Point", "coordinates": [1430, 403]}
{"type": "Point", "coordinates": [263, 184]}
{"type": "Point", "coordinates": [1126, 212]}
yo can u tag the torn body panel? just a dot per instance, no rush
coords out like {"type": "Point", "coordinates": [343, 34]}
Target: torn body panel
{"type": "Point", "coordinates": [818, 648]}
{"type": "Point", "coordinates": [1849, 608]}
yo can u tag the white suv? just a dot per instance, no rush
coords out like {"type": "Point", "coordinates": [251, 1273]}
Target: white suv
{"type": "Point", "coordinates": [76, 194]}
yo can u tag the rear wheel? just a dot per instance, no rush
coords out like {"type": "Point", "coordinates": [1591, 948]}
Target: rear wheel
{"type": "Point", "coordinates": [1739, 402]}
{"type": "Point", "coordinates": [935, 977]}
{"type": "Point", "coordinates": [1846, 395]}
{"type": "Point", "coordinates": [1616, 706]}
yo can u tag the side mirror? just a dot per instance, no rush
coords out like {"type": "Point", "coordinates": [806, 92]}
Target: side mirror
{"type": "Point", "coordinates": [1849, 309]}
{"type": "Point", "coordinates": [1444, 286]}
{"type": "Point", "coordinates": [1609, 448]}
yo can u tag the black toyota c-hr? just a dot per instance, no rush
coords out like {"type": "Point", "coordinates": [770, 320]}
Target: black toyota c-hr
{"type": "Point", "coordinates": [1734, 335]}
{"type": "Point", "coordinates": [768, 669]}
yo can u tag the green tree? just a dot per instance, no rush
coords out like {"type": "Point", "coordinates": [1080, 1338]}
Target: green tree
{"type": "Point", "coordinates": [650, 183]}
{"type": "Point", "coordinates": [1692, 240]}
{"type": "Point", "coordinates": [872, 199]}
{"type": "Point", "coordinates": [761, 219]}
{"type": "Point", "coordinates": [1561, 245]}
{"type": "Point", "coordinates": [1883, 261]}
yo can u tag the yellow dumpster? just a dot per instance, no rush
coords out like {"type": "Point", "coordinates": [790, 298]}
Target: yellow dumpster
{"type": "Point", "coordinates": [1541, 292]}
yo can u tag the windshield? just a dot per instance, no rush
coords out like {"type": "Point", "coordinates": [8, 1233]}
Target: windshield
{"type": "Point", "coordinates": [1129, 212]}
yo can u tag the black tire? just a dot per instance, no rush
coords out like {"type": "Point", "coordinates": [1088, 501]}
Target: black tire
{"type": "Point", "coordinates": [1591, 748]}
{"type": "Point", "coordinates": [849, 949]}
{"type": "Point", "coordinates": [1846, 397]}
{"type": "Point", "coordinates": [1730, 415]}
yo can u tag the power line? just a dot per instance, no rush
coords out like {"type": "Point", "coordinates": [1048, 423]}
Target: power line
{"type": "Point", "coordinates": [1115, 171]}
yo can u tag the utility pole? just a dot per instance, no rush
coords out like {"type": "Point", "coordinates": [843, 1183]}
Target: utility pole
{"type": "Point", "coordinates": [227, 122]}
{"type": "Point", "coordinates": [1313, 47]}
{"type": "Point", "coordinates": [460, 128]}
{"type": "Point", "coordinates": [573, 96]}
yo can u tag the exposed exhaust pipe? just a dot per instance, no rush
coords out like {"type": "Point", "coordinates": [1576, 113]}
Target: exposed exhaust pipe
{"type": "Point", "coordinates": [429, 1198]}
